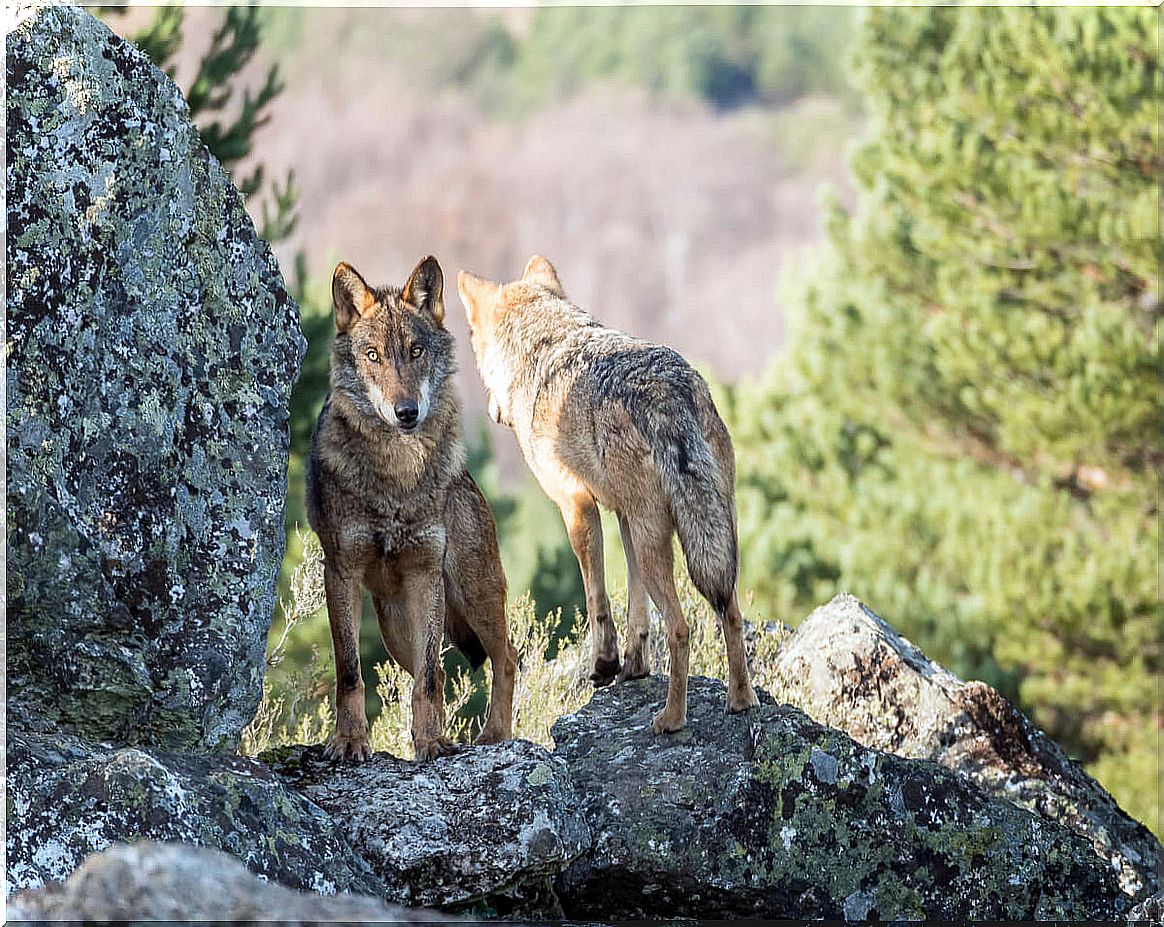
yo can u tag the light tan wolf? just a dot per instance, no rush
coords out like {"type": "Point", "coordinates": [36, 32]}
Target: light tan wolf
{"type": "Point", "coordinates": [604, 418]}
{"type": "Point", "coordinates": [396, 511]}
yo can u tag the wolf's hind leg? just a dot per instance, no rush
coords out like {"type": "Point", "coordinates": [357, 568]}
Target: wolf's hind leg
{"type": "Point", "coordinates": [634, 663]}
{"type": "Point", "coordinates": [584, 527]}
{"type": "Point", "coordinates": [741, 695]}
{"type": "Point", "coordinates": [652, 545]}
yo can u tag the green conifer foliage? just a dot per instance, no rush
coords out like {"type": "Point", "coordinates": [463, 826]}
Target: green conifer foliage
{"type": "Point", "coordinates": [728, 55]}
{"type": "Point", "coordinates": [965, 432]}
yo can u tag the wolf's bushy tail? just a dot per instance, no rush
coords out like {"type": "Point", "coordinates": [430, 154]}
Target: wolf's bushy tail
{"type": "Point", "coordinates": [465, 639]}
{"type": "Point", "coordinates": [703, 508]}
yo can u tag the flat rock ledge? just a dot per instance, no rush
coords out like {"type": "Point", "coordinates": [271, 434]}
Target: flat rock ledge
{"type": "Point", "coordinates": [68, 799]}
{"type": "Point", "coordinates": [771, 815]}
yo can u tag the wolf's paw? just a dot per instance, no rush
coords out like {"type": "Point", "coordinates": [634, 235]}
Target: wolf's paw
{"type": "Point", "coordinates": [494, 736]}
{"type": "Point", "coordinates": [604, 672]}
{"type": "Point", "coordinates": [354, 747]}
{"type": "Point", "coordinates": [741, 701]}
{"type": "Point", "coordinates": [439, 746]}
{"type": "Point", "coordinates": [634, 666]}
{"type": "Point", "coordinates": [665, 723]}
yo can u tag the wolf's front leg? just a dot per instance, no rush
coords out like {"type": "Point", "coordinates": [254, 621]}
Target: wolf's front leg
{"type": "Point", "coordinates": [503, 665]}
{"type": "Point", "coordinates": [424, 600]}
{"type": "Point", "coordinates": [350, 740]}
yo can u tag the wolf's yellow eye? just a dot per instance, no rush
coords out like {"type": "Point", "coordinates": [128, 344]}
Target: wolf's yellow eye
{"type": "Point", "coordinates": [417, 350]}
{"type": "Point", "coordinates": [373, 355]}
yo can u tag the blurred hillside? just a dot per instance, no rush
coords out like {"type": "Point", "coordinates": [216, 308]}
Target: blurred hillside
{"type": "Point", "coordinates": [647, 176]}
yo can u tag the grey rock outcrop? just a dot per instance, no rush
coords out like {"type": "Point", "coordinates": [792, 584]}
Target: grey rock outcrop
{"type": "Point", "coordinates": [769, 814]}
{"type": "Point", "coordinates": [68, 799]}
{"type": "Point", "coordinates": [149, 881]}
{"type": "Point", "coordinates": [152, 347]}
{"type": "Point", "coordinates": [846, 667]}
{"type": "Point", "coordinates": [766, 814]}
{"type": "Point", "coordinates": [492, 823]}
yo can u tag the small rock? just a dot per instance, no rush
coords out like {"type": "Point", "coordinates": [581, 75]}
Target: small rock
{"type": "Point", "coordinates": [149, 881]}
{"type": "Point", "coordinates": [491, 823]}
{"type": "Point", "coordinates": [1149, 911]}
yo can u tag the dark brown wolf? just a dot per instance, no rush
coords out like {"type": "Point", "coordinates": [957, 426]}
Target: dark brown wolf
{"type": "Point", "coordinates": [396, 511]}
{"type": "Point", "coordinates": [604, 418]}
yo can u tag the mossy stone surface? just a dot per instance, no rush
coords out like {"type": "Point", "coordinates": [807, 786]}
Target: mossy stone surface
{"type": "Point", "coordinates": [489, 825]}
{"type": "Point", "coordinates": [151, 349]}
{"type": "Point", "coordinates": [846, 667]}
{"type": "Point", "coordinates": [69, 799]}
{"type": "Point", "coordinates": [771, 815]}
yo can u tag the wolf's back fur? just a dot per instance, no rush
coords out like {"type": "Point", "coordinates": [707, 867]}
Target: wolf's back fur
{"type": "Point", "coordinates": [603, 417]}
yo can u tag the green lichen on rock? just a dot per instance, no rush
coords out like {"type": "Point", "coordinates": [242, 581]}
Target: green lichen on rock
{"type": "Point", "coordinates": [151, 351]}
{"type": "Point", "coordinates": [771, 815]}
{"type": "Point", "coordinates": [845, 666]}
{"type": "Point", "coordinates": [70, 798]}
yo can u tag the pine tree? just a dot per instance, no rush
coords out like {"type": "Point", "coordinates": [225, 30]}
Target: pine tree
{"type": "Point", "coordinates": [966, 433]}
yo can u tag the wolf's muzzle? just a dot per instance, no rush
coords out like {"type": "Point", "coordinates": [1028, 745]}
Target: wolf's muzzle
{"type": "Point", "coordinates": [407, 412]}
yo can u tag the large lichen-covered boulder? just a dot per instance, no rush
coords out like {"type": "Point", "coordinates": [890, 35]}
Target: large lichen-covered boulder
{"type": "Point", "coordinates": [149, 882]}
{"type": "Point", "coordinates": [68, 799]}
{"type": "Point", "coordinates": [490, 825]}
{"type": "Point", "coordinates": [769, 814]}
{"type": "Point", "coordinates": [151, 351]}
{"type": "Point", "coordinates": [846, 667]}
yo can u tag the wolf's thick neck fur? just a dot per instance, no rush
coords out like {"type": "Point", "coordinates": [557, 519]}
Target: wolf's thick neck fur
{"type": "Point", "coordinates": [375, 460]}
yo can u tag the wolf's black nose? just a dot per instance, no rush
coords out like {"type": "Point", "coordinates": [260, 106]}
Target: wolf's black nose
{"type": "Point", "coordinates": [406, 411]}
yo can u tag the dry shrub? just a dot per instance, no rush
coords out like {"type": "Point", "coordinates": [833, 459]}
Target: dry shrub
{"type": "Point", "coordinates": [298, 710]}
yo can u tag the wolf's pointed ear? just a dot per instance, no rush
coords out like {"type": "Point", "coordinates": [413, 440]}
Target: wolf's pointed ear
{"type": "Point", "coordinates": [540, 271]}
{"type": "Point", "coordinates": [478, 296]}
{"type": "Point", "coordinates": [350, 296]}
{"type": "Point", "coordinates": [425, 289]}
